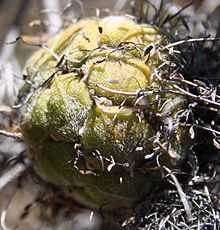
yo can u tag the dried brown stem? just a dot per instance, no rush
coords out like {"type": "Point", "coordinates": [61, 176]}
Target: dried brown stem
{"type": "Point", "coordinates": [181, 193]}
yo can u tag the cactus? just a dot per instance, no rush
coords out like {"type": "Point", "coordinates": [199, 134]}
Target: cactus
{"type": "Point", "coordinates": [92, 121]}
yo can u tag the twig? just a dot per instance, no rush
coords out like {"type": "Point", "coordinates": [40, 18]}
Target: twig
{"type": "Point", "coordinates": [17, 136]}
{"type": "Point", "coordinates": [195, 85]}
{"type": "Point", "coordinates": [170, 45]}
{"type": "Point", "coordinates": [181, 193]}
{"type": "Point", "coordinates": [195, 97]}
{"type": "Point", "coordinates": [207, 129]}
{"type": "Point", "coordinates": [25, 39]}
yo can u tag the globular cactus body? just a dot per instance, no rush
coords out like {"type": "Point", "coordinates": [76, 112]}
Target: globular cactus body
{"type": "Point", "coordinates": [88, 128]}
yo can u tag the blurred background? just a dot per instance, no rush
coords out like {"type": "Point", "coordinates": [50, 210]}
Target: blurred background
{"type": "Point", "coordinates": [37, 20]}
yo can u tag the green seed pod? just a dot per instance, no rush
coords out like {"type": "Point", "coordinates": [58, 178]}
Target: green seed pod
{"type": "Point", "coordinates": [93, 119]}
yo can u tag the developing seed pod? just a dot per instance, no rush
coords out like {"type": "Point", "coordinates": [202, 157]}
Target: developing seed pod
{"type": "Point", "coordinates": [88, 134]}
